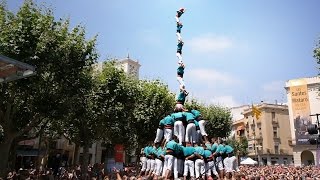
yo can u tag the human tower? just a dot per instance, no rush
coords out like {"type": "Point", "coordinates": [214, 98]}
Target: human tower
{"type": "Point", "coordinates": [181, 146]}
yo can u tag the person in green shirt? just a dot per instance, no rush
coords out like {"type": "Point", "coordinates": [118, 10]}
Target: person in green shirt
{"type": "Point", "coordinates": [199, 164]}
{"type": "Point", "coordinates": [180, 119]}
{"type": "Point", "coordinates": [179, 14]}
{"type": "Point", "coordinates": [189, 155]}
{"type": "Point", "coordinates": [230, 161]}
{"type": "Point", "coordinates": [159, 134]}
{"type": "Point", "coordinates": [191, 132]}
{"type": "Point", "coordinates": [181, 96]}
{"type": "Point", "coordinates": [159, 161]}
{"type": "Point", "coordinates": [171, 153]}
{"type": "Point", "coordinates": [219, 158]}
{"type": "Point", "coordinates": [180, 72]}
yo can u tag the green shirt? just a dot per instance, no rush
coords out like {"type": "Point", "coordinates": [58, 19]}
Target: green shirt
{"type": "Point", "coordinates": [189, 116]}
{"type": "Point", "coordinates": [214, 147]}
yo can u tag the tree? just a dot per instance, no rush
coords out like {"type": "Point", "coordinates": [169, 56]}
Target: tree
{"type": "Point", "coordinates": [131, 108]}
{"type": "Point", "coordinates": [219, 118]}
{"type": "Point", "coordinates": [240, 146]}
{"type": "Point", "coordinates": [60, 56]}
{"type": "Point", "coordinates": [316, 53]}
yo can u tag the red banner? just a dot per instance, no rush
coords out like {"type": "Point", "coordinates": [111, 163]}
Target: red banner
{"type": "Point", "coordinates": [118, 153]}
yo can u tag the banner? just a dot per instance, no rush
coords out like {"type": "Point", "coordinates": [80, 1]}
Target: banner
{"type": "Point", "coordinates": [118, 153]}
{"type": "Point", "coordinates": [300, 111]}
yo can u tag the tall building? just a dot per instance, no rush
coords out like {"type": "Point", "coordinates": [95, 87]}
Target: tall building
{"type": "Point", "coordinates": [269, 138]}
{"type": "Point", "coordinates": [303, 101]}
{"type": "Point", "coordinates": [129, 66]}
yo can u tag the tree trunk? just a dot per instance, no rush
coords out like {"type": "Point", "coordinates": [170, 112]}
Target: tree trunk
{"type": "Point", "coordinates": [76, 154]}
{"type": "Point", "coordinates": [5, 151]}
{"type": "Point", "coordinates": [85, 160]}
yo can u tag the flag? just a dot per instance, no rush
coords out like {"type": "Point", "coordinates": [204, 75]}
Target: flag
{"type": "Point", "coordinates": [256, 112]}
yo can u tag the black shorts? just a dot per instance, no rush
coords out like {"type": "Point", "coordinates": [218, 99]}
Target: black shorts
{"type": "Point", "coordinates": [178, 31]}
{"type": "Point", "coordinates": [179, 51]}
{"type": "Point", "coordinates": [180, 74]}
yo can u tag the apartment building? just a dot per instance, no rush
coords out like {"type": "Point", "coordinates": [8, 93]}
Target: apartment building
{"type": "Point", "coordinates": [304, 105]}
{"type": "Point", "coordinates": [269, 137]}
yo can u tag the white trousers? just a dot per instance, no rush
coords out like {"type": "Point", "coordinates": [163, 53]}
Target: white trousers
{"type": "Point", "coordinates": [178, 167]}
{"type": "Point", "coordinates": [179, 131]}
{"type": "Point", "coordinates": [210, 168]}
{"type": "Point", "coordinates": [230, 164]}
{"type": "Point", "coordinates": [143, 163]}
{"type": "Point", "coordinates": [181, 81]}
{"type": "Point", "coordinates": [219, 163]}
{"type": "Point", "coordinates": [159, 135]}
{"type": "Point", "coordinates": [191, 133]}
{"type": "Point", "coordinates": [179, 36]}
{"type": "Point", "coordinates": [199, 137]}
{"type": "Point", "coordinates": [202, 124]}
{"type": "Point", "coordinates": [168, 162]}
{"type": "Point", "coordinates": [188, 168]}
{"type": "Point", "coordinates": [199, 167]}
{"type": "Point", "coordinates": [158, 169]}
{"type": "Point", "coordinates": [150, 165]}
{"type": "Point", "coordinates": [177, 19]}
{"type": "Point", "coordinates": [168, 134]}
{"type": "Point", "coordinates": [179, 56]}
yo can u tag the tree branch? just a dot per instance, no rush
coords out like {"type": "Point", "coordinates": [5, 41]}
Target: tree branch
{"type": "Point", "coordinates": [31, 125]}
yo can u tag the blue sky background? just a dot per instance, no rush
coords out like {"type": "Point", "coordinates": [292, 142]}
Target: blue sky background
{"type": "Point", "coordinates": [236, 52]}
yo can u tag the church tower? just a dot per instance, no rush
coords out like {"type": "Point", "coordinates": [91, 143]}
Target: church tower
{"type": "Point", "coordinates": [129, 66]}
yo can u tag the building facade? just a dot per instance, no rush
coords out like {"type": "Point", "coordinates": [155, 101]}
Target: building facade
{"type": "Point", "coordinates": [269, 138]}
{"type": "Point", "coordinates": [303, 101]}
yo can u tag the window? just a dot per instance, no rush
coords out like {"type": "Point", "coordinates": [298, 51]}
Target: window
{"type": "Point", "coordinates": [275, 132]}
{"type": "Point", "coordinates": [276, 149]}
{"type": "Point", "coordinates": [273, 116]}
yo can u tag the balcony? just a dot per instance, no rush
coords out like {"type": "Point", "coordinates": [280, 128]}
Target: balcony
{"type": "Point", "coordinates": [284, 151]}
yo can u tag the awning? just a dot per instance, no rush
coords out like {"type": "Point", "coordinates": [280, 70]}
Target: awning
{"type": "Point", "coordinates": [11, 69]}
{"type": "Point", "coordinates": [27, 142]}
{"type": "Point", "coordinates": [30, 152]}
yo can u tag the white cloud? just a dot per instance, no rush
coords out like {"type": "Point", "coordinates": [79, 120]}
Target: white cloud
{"type": "Point", "coordinates": [227, 101]}
{"type": "Point", "coordinates": [211, 76]}
{"type": "Point", "coordinates": [209, 43]}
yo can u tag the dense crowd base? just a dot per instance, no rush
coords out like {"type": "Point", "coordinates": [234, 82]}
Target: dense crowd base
{"type": "Point", "coordinates": [244, 173]}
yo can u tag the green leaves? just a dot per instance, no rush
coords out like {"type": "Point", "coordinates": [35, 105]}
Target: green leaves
{"type": "Point", "coordinates": [240, 146]}
{"type": "Point", "coordinates": [219, 118]}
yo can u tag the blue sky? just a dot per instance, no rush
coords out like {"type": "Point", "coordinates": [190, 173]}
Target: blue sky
{"type": "Point", "coordinates": [236, 52]}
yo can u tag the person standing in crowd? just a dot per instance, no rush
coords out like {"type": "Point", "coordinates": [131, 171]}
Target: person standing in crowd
{"type": "Point", "coordinates": [159, 135]}
{"type": "Point", "coordinates": [218, 154]}
{"type": "Point", "coordinates": [143, 160]}
{"type": "Point", "coordinates": [159, 161]}
{"type": "Point", "coordinates": [179, 121]}
{"type": "Point", "coordinates": [171, 153]}
{"type": "Point", "coordinates": [191, 132]}
{"type": "Point", "coordinates": [230, 161]}
{"type": "Point", "coordinates": [209, 162]}
{"type": "Point", "coordinates": [179, 161]}
{"type": "Point", "coordinates": [189, 155]}
{"type": "Point", "coordinates": [202, 124]}
{"type": "Point", "coordinates": [199, 163]}
{"type": "Point", "coordinates": [168, 127]}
